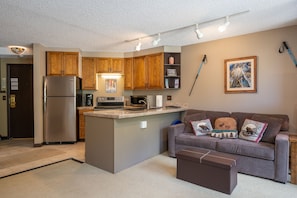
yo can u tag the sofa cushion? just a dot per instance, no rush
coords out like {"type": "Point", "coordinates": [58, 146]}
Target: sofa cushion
{"type": "Point", "coordinates": [224, 133]}
{"type": "Point", "coordinates": [190, 139]}
{"type": "Point", "coordinates": [252, 130]}
{"type": "Point", "coordinates": [225, 123]}
{"type": "Point", "coordinates": [273, 128]}
{"type": "Point", "coordinates": [201, 127]}
{"type": "Point", "coordinates": [213, 115]}
{"type": "Point", "coordinates": [192, 117]}
{"type": "Point", "coordinates": [241, 116]}
{"type": "Point", "coordinates": [261, 150]}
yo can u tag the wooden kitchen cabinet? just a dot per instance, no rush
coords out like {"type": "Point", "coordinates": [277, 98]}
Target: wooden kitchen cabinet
{"type": "Point", "coordinates": [88, 74]}
{"type": "Point", "coordinates": [62, 63]}
{"type": "Point", "coordinates": [109, 65]}
{"type": "Point", "coordinates": [81, 117]}
{"type": "Point", "coordinates": [148, 72]}
{"type": "Point", "coordinates": [128, 73]}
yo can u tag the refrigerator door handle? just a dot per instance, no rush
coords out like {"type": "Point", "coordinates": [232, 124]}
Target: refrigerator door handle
{"type": "Point", "coordinates": [44, 96]}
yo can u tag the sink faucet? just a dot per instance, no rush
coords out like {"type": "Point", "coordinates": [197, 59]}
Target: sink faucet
{"type": "Point", "coordinates": [144, 102]}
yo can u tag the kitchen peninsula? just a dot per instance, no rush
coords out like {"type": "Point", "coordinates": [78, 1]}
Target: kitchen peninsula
{"type": "Point", "coordinates": [118, 139]}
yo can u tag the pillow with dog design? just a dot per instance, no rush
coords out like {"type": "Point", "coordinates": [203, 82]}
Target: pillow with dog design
{"type": "Point", "coordinates": [252, 130]}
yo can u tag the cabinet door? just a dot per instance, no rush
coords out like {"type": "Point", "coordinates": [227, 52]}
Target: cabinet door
{"type": "Point", "coordinates": [155, 70]}
{"type": "Point", "coordinates": [139, 73]}
{"type": "Point", "coordinates": [88, 74]}
{"type": "Point", "coordinates": [117, 65]}
{"type": "Point", "coordinates": [103, 65]}
{"type": "Point", "coordinates": [128, 72]}
{"type": "Point", "coordinates": [70, 63]}
{"type": "Point", "coordinates": [54, 63]}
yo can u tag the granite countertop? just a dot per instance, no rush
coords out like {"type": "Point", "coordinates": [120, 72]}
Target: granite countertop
{"type": "Point", "coordinates": [123, 113]}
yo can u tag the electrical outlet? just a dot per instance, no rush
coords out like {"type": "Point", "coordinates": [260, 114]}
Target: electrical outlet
{"type": "Point", "coordinates": [169, 97]}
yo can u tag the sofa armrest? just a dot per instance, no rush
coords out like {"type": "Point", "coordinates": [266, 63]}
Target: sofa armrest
{"type": "Point", "coordinates": [173, 131]}
{"type": "Point", "coordinates": [281, 157]}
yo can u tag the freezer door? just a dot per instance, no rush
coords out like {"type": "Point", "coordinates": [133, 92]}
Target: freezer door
{"type": "Point", "coordinates": [60, 120]}
{"type": "Point", "coordinates": [60, 86]}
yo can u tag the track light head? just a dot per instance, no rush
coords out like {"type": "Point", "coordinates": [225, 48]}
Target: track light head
{"type": "Point", "coordinates": [198, 32]}
{"type": "Point", "coordinates": [223, 27]}
{"type": "Point", "coordinates": [156, 41]}
{"type": "Point", "coordinates": [138, 46]}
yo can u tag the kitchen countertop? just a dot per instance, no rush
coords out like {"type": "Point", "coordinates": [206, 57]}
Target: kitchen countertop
{"type": "Point", "coordinates": [124, 113]}
{"type": "Point", "coordinates": [85, 107]}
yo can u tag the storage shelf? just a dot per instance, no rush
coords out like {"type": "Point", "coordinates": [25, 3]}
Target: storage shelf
{"type": "Point", "coordinates": [172, 82]}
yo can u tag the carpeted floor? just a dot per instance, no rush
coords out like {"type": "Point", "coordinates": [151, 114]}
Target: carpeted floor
{"type": "Point", "coordinates": [26, 157]}
{"type": "Point", "coordinates": [155, 177]}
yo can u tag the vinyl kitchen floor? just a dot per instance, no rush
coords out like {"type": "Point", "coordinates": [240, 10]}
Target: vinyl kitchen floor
{"type": "Point", "coordinates": [17, 155]}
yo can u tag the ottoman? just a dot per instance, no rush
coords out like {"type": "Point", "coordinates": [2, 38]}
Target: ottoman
{"type": "Point", "coordinates": [207, 168]}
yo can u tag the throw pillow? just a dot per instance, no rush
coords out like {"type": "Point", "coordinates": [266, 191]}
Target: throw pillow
{"type": "Point", "coordinates": [224, 133]}
{"type": "Point", "coordinates": [202, 127]}
{"type": "Point", "coordinates": [192, 117]}
{"type": "Point", "coordinates": [252, 130]}
{"type": "Point", "coordinates": [273, 128]}
{"type": "Point", "coordinates": [225, 123]}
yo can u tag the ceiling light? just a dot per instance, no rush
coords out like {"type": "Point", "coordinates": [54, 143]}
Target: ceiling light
{"type": "Point", "coordinates": [156, 41]}
{"type": "Point", "coordinates": [199, 34]}
{"type": "Point", "coordinates": [223, 27]}
{"type": "Point", "coordinates": [138, 46]}
{"type": "Point", "coordinates": [18, 50]}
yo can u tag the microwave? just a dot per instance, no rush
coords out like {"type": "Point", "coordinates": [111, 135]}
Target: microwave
{"type": "Point", "coordinates": [138, 100]}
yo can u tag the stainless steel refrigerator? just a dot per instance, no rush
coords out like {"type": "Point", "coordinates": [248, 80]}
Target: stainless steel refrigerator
{"type": "Point", "coordinates": [62, 94]}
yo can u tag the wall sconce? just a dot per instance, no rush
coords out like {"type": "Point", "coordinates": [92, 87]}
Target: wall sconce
{"type": "Point", "coordinates": [223, 27]}
{"type": "Point", "coordinates": [198, 32]}
{"type": "Point", "coordinates": [18, 50]}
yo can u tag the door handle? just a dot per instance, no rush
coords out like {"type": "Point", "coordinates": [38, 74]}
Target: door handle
{"type": "Point", "coordinates": [12, 101]}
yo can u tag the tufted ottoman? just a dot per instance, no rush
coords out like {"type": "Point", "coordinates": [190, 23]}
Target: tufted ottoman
{"type": "Point", "coordinates": [206, 168]}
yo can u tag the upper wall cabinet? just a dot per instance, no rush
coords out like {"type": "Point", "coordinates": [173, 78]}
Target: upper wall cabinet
{"type": "Point", "coordinates": [62, 63]}
{"type": "Point", "coordinates": [148, 72]}
{"type": "Point", "coordinates": [109, 65]}
{"type": "Point", "coordinates": [128, 74]}
{"type": "Point", "coordinates": [88, 74]}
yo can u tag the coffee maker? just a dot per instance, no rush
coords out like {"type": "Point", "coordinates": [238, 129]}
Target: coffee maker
{"type": "Point", "coordinates": [89, 99]}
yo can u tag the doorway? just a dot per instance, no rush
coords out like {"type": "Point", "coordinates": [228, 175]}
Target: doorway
{"type": "Point", "coordinates": [20, 101]}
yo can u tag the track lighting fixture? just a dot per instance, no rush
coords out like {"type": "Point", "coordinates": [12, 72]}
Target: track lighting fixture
{"type": "Point", "coordinates": [223, 27]}
{"type": "Point", "coordinates": [156, 41]}
{"type": "Point", "coordinates": [138, 46]}
{"type": "Point", "coordinates": [198, 32]}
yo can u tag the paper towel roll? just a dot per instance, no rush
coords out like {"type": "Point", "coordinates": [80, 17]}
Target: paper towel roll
{"type": "Point", "coordinates": [159, 100]}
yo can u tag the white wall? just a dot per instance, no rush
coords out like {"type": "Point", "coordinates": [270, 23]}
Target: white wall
{"type": "Point", "coordinates": [276, 74]}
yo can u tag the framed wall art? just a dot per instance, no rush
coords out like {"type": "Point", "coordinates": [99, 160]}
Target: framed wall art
{"type": "Point", "coordinates": [241, 75]}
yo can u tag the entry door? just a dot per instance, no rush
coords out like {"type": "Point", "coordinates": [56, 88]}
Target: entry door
{"type": "Point", "coordinates": [20, 100]}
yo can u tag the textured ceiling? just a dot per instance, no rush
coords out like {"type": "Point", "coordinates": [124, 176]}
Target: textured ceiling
{"type": "Point", "coordinates": [105, 25]}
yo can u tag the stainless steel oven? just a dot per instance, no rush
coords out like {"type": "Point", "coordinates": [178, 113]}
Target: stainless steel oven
{"type": "Point", "coordinates": [106, 102]}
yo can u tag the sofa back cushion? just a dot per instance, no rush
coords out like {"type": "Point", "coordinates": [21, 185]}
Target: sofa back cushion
{"type": "Point", "coordinates": [241, 116]}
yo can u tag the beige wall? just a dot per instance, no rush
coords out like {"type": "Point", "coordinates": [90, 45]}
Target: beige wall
{"type": "Point", "coordinates": [276, 74]}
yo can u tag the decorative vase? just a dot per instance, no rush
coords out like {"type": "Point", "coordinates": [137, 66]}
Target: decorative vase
{"type": "Point", "coordinates": [171, 60]}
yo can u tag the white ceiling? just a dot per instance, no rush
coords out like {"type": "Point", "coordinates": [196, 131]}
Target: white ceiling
{"type": "Point", "coordinates": [105, 25]}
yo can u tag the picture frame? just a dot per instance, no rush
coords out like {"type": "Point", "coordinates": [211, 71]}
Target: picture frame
{"type": "Point", "coordinates": [110, 85]}
{"type": "Point", "coordinates": [240, 75]}
{"type": "Point", "coordinates": [171, 72]}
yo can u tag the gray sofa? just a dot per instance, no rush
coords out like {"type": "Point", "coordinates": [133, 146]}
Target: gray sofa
{"type": "Point", "coordinates": [267, 159]}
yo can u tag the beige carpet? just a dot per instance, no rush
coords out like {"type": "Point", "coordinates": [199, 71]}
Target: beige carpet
{"type": "Point", "coordinates": [26, 157]}
{"type": "Point", "coordinates": [152, 178]}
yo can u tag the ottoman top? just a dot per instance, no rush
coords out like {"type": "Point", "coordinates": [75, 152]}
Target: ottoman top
{"type": "Point", "coordinates": [212, 158]}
